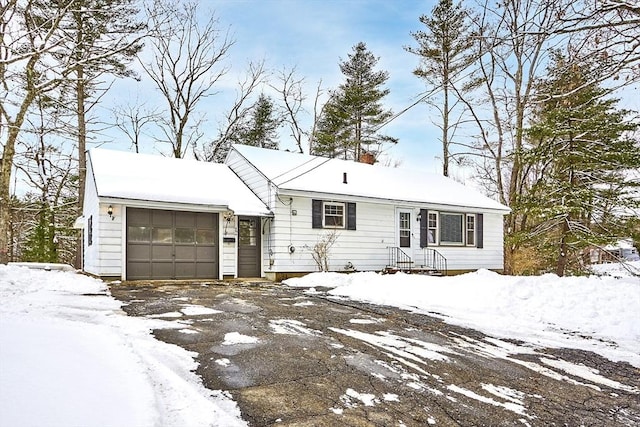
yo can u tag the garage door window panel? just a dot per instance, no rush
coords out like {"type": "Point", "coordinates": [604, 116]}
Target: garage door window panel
{"type": "Point", "coordinates": [162, 235]}
{"type": "Point", "coordinates": [205, 237]}
{"type": "Point", "coordinates": [185, 236]}
{"type": "Point", "coordinates": [139, 234]}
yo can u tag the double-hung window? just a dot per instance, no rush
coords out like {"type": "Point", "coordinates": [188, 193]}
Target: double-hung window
{"type": "Point", "coordinates": [333, 215]}
{"type": "Point", "coordinates": [432, 227]}
{"type": "Point", "coordinates": [471, 230]}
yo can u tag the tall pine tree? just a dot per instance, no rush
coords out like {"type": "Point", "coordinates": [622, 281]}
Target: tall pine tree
{"type": "Point", "coordinates": [261, 130]}
{"type": "Point", "coordinates": [350, 121]}
{"type": "Point", "coordinates": [444, 48]}
{"type": "Point", "coordinates": [580, 150]}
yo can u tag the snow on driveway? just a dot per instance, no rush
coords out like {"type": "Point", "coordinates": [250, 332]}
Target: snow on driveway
{"type": "Point", "coordinates": [70, 356]}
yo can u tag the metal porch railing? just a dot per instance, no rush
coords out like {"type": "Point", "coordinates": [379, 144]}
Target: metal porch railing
{"type": "Point", "coordinates": [435, 261]}
{"type": "Point", "coordinates": [398, 259]}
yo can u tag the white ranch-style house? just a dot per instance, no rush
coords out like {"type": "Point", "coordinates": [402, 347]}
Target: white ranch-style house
{"type": "Point", "coordinates": [264, 212]}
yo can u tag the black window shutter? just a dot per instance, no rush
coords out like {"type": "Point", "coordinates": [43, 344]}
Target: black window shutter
{"type": "Point", "coordinates": [90, 231]}
{"type": "Point", "coordinates": [424, 232]}
{"type": "Point", "coordinates": [351, 216]}
{"type": "Point", "coordinates": [479, 231]}
{"type": "Point", "coordinates": [316, 213]}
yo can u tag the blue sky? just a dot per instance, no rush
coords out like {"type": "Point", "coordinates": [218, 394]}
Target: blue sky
{"type": "Point", "coordinates": [314, 36]}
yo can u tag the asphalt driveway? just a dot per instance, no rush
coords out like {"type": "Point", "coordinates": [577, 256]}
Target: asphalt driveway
{"type": "Point", "coordinates": [298, 357]}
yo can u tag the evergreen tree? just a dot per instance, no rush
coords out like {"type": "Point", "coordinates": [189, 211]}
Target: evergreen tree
{"type": "Point", "coordinates": [580, 150]}
{"type": "Point", "coordinates": [444, 50]}
{"type": "Point", "coordinates": [41, 242]}
{"type": "Point", "coordinates": [349, 123]}
{"type": "Point", "coordinates": [261, 131]}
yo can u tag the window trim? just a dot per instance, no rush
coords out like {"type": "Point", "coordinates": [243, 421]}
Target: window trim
{"type": "Point", "coordinates": [462, 217]}
{"type": "Point", "coordinates": [343, 205]}
{"type": "Point", "coordinates": [431, 220]}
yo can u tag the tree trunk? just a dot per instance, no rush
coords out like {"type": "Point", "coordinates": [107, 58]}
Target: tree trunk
{"type": "Point", "coordinates": [7, 162]}
{"type": "Point", "coordinates": [445, 125]}
{"type": "Point", "coordinates": [5, 202]}
{"type": "Point", "coordinates": [82, 155]}
{"type": "Point", "coordinates": [562, 256]}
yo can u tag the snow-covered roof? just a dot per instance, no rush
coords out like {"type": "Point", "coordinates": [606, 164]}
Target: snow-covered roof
{"type": "Point", "coordinates": [132, 176]}
{"type": "Point", "coordinates": [301, 172]}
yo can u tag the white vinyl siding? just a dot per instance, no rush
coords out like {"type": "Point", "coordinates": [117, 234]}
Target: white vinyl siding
{"type": "Point", "coordinates": [109, 232]}
{"type": "Point", "coordinates": [91, 210]}
{"type": "Point", "coordinates": [251, 178]}
{"type": "Point", "coordinates": [367, 246]}
{"type": "Point", "coordinates": [230, 247]}
{"type": "Point", "coordinates": [104, 256]}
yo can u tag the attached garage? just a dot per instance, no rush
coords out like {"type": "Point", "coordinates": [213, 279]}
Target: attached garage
{"type": "Point", "coordinates": [165, 244]}
{"type": "Point", "coordinates": [149, 217]}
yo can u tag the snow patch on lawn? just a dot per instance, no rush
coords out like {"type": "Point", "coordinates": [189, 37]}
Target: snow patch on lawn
{"type": "Point", "coordinates": [592, 313]}
{"type": "Point", "coordinates": [588, 374]}
{"type": "Point", "coordinates": [70, 355]}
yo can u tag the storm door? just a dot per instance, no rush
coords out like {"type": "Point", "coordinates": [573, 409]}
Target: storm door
{"type": "Point", "coordinates": [249, 245]}
{"type": "Point", "coordinates": [404, 229]}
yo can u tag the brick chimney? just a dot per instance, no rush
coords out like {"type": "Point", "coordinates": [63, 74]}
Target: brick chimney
{"type": "Point", "coordinates": [367, 157]}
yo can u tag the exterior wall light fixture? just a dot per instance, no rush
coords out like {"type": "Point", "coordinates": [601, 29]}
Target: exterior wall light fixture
{"type": "Point", "coordinates": [110, 212]}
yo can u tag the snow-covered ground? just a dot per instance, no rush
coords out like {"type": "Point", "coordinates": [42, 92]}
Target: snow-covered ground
{"type": "Point", "coordinates": [70, 357]}
{"type": "Point", "coordinates": [595, 313]}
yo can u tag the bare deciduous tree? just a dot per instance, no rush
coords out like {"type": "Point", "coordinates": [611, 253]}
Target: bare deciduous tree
{"type": "Point", "coordinates": [290, 89]}
{"type": "Point", "coordinates": [321, 250]}
{"type": "Point", "coordinates": [31, 64]}
{"type": "Point", "coordinates": [188, 58]}
{"type": "Point", "coordinates": [610, 30]}
{"type": "Point", "coordinates": [512, 40]}
{"type": "Point", "coordinates": [130, 119]}
{"type": "Point", "coordinates": [238, 113]}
